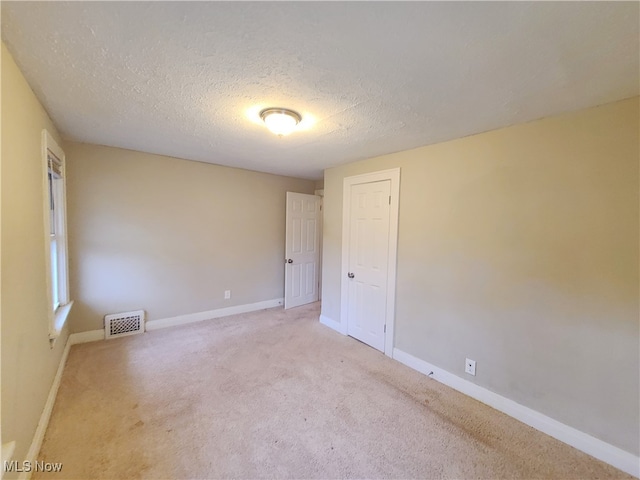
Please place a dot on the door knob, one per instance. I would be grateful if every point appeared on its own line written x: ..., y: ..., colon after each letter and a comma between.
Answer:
x: 289, y: 260
x: 350, y: 275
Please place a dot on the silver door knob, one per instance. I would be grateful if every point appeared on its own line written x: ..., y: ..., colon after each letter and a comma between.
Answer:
x: 350, y: 275
x: 289, y: 260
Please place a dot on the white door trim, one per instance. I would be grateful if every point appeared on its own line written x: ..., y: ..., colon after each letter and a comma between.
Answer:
x: 320, y: 193
x: 394, y: 176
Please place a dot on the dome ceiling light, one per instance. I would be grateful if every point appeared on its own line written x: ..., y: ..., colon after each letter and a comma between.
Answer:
x: 280, y: 121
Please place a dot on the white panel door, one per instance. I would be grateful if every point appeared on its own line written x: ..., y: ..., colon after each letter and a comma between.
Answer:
x: 368, y: 262
x: 301, y: 249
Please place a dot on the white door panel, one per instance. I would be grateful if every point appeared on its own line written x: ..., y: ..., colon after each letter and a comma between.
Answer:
x: 368, y: 262
x: 301, y: 249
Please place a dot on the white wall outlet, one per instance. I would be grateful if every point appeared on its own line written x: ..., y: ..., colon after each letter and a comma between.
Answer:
x: 227, y: 294
x: 470, y: 366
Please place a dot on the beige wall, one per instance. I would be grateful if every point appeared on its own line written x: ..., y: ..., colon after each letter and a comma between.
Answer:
x: 170, y: 236
x: 518, y: 248
x: 28, y: 362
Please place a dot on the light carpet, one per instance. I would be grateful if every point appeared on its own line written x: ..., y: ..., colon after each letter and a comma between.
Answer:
x: 275, y: 394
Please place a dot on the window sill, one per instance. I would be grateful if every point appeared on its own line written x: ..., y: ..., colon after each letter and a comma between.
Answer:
x: 60, y: 318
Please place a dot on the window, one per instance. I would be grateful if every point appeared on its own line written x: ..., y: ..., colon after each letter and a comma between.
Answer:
x: 56, y: 234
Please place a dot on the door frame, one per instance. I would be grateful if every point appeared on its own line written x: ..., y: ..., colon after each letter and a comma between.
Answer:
x: 320, y: 193
x: 394, y: 176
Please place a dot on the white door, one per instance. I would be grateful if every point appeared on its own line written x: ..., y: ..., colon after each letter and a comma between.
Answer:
x: 368, y: 261
x: 301, y: 249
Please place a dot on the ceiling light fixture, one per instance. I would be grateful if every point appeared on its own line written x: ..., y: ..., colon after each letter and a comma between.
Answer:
x: 280, y: 121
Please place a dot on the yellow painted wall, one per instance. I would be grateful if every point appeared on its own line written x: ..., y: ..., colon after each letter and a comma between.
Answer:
x: 518, y: 248
x: 29, y: 363
x: 169, y: 236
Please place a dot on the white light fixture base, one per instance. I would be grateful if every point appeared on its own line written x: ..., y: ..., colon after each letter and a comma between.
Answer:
x: 280, y: 121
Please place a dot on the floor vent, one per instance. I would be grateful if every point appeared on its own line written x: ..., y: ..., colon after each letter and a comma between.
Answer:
x: 122, y: 324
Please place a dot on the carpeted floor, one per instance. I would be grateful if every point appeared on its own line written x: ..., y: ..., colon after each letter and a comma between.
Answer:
x: 275, y: 394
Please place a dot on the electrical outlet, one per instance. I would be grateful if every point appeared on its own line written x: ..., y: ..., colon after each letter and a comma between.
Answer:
x: 470, y: 366
x: 227, y: 294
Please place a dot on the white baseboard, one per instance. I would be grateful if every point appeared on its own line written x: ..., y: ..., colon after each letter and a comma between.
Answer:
x: 36, y: 443
x: 332, y: 324
x: 599, y: 449
x: 220, y: 312
x: 43, y: 423
x: 86, y: 337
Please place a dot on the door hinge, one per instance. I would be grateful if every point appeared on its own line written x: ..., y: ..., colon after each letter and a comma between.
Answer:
x: 389, y: 199
x: 385, y: 328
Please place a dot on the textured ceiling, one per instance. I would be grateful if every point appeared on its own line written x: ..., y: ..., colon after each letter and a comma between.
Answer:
x: 187, y: 79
